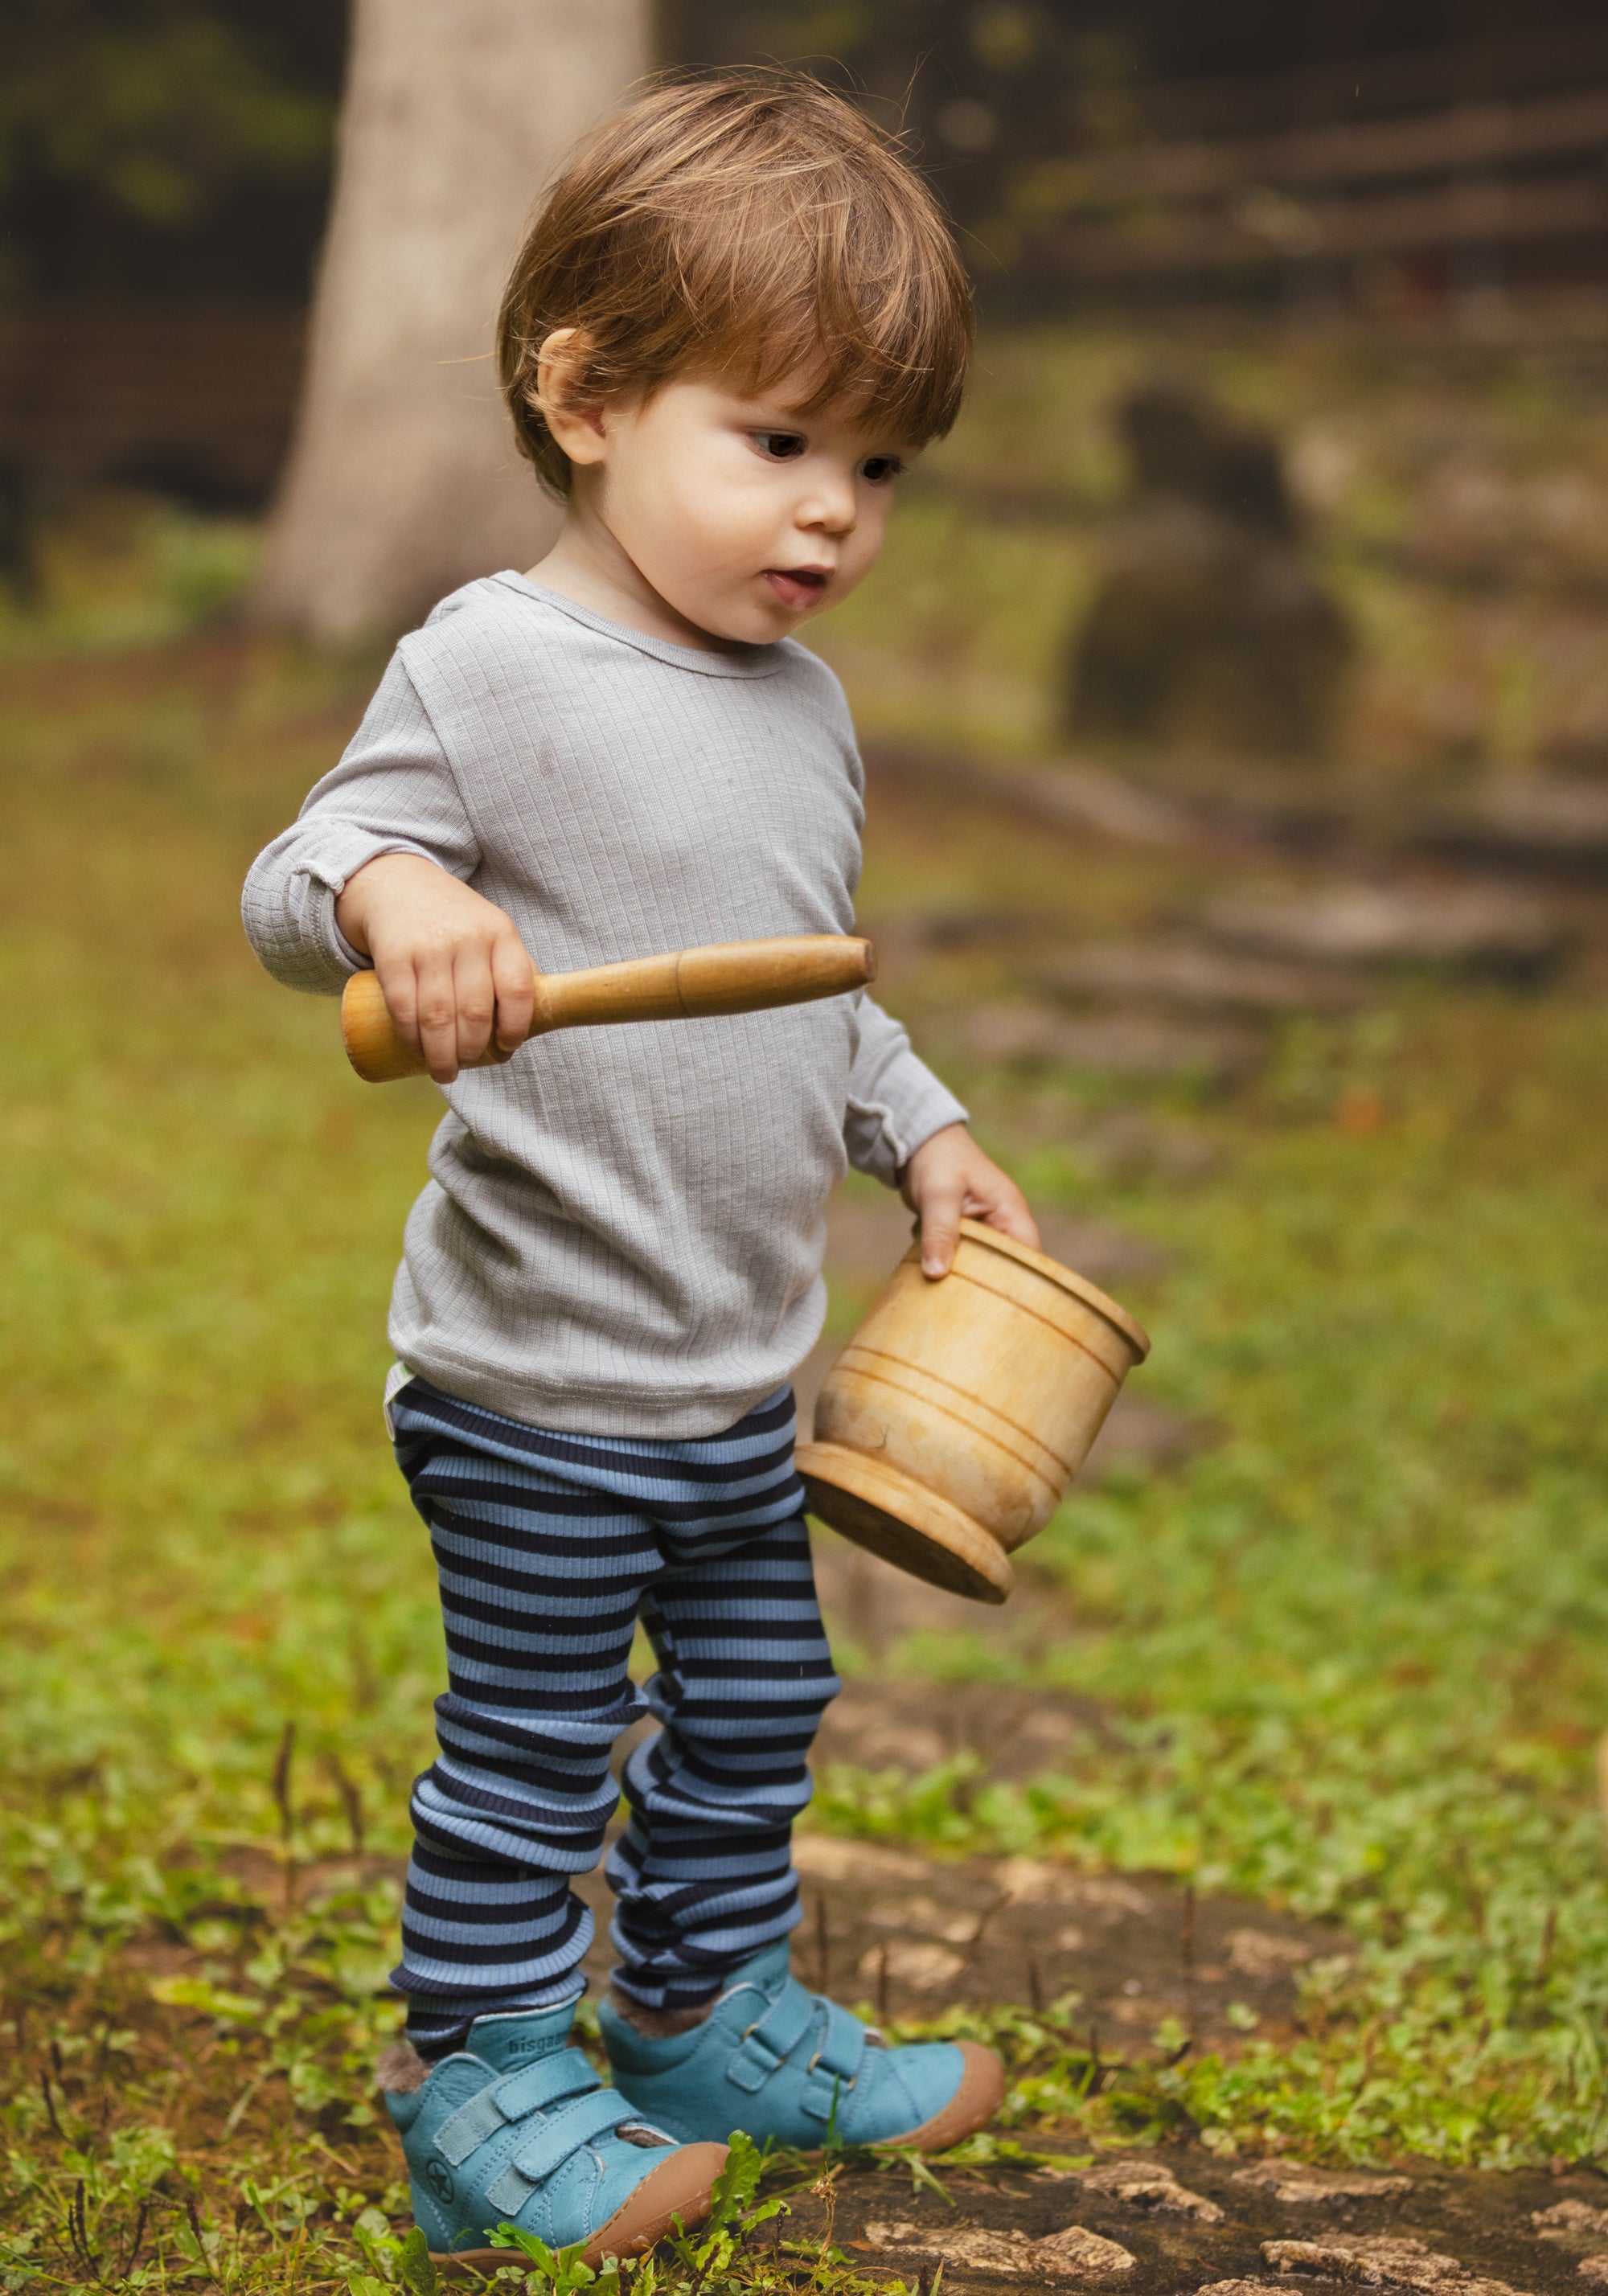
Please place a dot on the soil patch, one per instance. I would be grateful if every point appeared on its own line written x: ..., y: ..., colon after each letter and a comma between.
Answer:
x: 1185, y: 2218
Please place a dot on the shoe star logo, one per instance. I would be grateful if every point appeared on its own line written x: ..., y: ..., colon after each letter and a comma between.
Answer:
x: 438, y: 2175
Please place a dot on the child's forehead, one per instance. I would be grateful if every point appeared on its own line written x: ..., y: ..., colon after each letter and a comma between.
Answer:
x: 804, y: 393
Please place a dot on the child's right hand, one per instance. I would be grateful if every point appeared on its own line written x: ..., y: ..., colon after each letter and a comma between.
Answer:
x: 451, y: 966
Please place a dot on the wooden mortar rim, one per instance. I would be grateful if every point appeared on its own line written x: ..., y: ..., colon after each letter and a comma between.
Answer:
x: 1079, y: 1286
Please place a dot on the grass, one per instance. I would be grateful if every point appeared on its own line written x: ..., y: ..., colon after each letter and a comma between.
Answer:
x: 1354, y: 1654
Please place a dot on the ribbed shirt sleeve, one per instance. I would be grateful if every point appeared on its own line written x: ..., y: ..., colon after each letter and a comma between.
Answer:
x: 895, y: 1101
x: 393, y: 792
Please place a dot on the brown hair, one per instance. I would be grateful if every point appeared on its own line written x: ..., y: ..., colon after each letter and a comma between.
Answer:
x: 754, y: 224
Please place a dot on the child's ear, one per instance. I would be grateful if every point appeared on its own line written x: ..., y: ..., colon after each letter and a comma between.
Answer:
x: 577, y: 426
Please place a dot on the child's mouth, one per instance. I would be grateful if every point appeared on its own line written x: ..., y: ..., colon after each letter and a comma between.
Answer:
x: 797, y: 585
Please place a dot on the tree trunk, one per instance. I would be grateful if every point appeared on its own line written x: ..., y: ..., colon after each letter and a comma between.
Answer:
x: 403, y: 480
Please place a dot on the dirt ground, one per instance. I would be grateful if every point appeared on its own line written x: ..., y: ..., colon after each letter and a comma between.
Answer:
x: 1182, y: 2218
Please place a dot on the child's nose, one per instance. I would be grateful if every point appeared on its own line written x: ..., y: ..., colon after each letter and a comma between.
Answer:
x: 832, y: 506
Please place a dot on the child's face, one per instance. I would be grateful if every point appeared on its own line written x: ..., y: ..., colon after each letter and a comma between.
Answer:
x: 745, y: 516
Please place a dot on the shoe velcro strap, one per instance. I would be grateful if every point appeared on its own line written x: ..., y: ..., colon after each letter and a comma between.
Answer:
x: 835, y: 2065
x: 844, y: 2047
x: 772, y: 2039
x: 548, y: 2147
x: 464, y: 2131
x: 532, y: 2089
x: 547, y: 2082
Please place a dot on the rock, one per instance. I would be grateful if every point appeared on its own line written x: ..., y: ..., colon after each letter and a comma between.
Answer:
x: 1299, y: 2187
x: 1380, y: 2261
x: 1566, y: 2218
x: 1077, y: 2253
x: 1236, y: 2288
x: 1072, y: 2254
x: 1475, y: 928
x: 1130, y: 1045
x: 1207, y: 628
x: 1593, y: 2268
x: 1192, y: 976
x: 1147, y: 2184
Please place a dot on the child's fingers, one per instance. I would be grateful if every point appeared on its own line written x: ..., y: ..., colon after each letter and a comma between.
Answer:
x: 515, y: 987
x: 1006, y: 1207
x: 940, y: 1210
x: 437, y: 1008
x: 475, y: 999
x: 399, y: 986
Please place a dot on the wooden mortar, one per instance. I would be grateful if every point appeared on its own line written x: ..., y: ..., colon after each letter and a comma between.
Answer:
x: 947, y: 1430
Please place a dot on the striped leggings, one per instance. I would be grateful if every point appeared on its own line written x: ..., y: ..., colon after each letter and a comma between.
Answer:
x: 550, y: 1548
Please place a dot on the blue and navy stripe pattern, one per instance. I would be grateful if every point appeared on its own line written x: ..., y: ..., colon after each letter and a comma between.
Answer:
x: 549, y: 1548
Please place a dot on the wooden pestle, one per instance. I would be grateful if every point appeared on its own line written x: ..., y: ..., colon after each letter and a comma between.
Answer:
x: 687, y: 984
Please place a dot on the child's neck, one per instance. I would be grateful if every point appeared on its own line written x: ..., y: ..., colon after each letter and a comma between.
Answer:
x: 588, y: 565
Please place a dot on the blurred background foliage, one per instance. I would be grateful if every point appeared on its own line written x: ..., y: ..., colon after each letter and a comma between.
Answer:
x: 173, y: 148
x: 157, y: 147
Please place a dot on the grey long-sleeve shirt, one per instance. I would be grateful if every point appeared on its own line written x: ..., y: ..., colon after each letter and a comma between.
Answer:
x: 624, y: 1228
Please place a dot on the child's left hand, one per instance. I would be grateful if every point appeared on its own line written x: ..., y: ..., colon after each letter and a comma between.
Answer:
x: 949, y: 1180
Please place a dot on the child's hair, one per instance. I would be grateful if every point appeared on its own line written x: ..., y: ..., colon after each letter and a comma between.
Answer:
x: 751, y: 226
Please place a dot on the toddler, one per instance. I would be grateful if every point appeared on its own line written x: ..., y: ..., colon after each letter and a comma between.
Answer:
x: 733, y: 322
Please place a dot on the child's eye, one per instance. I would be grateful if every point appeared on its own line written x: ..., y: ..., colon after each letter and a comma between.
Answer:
x: 781, y: 445
x: 880, y: 469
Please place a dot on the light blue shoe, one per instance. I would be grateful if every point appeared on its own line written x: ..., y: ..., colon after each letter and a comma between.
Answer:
x: 517, y: 2128
x: 786, y: 2065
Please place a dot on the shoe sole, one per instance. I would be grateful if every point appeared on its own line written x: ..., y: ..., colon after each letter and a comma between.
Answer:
x: 974, y: 2103
x: 680, y: 2186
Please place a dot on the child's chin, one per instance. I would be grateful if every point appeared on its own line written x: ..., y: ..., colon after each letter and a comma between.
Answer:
x: 757, y: 624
